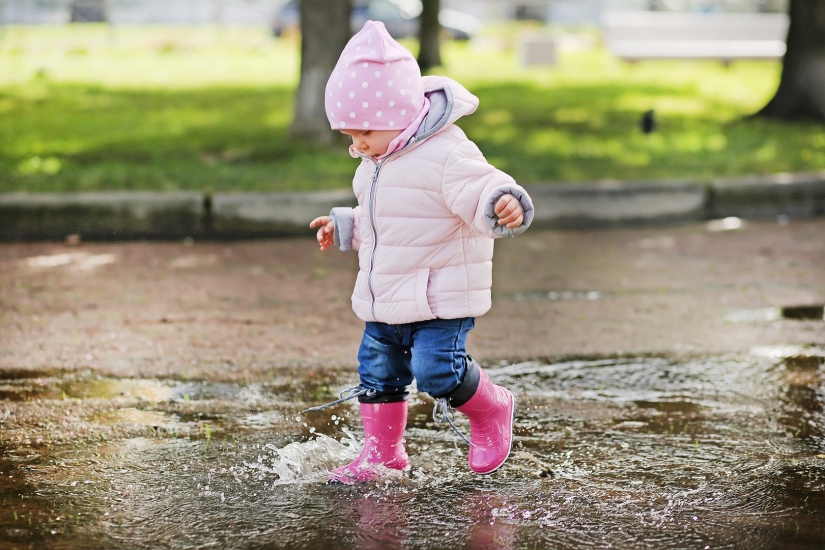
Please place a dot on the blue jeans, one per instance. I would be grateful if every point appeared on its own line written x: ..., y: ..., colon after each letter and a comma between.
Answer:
x: 433, y: 352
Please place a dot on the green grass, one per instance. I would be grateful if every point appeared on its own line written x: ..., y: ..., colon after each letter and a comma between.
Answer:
x: 159, y: 108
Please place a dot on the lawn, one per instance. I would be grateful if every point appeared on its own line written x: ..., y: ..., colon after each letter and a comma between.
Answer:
x: 86, y: 108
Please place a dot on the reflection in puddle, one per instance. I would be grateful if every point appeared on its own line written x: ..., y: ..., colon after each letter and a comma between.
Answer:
x: 559, y: 295
x: 262, y: 420
x: 730, y: 223
x: 188, y: 262
x: 76, y: 261
x: 129, y: 415
x: 681, y: 406
x: 724, y: 452
x: 754, y: 315
x: 152, y: 391
x: 767, y: 314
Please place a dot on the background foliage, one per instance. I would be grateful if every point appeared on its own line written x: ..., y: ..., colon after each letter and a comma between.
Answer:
x: 100, y: 108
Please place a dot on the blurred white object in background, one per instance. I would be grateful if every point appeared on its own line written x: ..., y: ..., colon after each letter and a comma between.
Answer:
x: 668, y: 35
x: 538, y: 50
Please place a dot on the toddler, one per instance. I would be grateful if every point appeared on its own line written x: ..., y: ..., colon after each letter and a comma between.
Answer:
x: 429, y: 207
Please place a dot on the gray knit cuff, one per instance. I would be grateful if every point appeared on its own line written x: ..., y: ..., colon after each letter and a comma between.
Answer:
x: 526, y: 205
x: 344, y: 219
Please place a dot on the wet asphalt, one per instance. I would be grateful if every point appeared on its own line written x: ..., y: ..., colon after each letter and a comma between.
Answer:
x: 138, y: 379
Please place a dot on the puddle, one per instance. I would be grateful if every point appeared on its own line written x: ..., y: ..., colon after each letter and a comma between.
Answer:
x: 48, y: 385
x: 189, y: 262
x: 130, y: 415
x: 730, y: 223
x: 754, y: 315
x: 766, y: 314
x: 647, y: 452
x: 75, y: 261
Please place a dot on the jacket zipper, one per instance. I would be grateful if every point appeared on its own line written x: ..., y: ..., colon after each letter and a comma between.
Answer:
x: 374, y: 233
x: 373, y: 188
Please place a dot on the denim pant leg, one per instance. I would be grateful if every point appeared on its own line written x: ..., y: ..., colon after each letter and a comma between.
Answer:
x: 439, y: 354
x: 384, y: 359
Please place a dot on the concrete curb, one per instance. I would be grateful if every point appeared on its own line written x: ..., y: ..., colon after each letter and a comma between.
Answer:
x: 144, y: 215
x: 243, y: 215
x: 101, y: 216
x: 616, y: 203
x: 793, y: 195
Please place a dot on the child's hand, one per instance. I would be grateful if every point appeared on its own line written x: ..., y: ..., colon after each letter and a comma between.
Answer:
x: 509, y: 211
x: 326, y: 235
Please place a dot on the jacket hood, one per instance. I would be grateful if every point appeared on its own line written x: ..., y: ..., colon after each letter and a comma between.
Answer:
x: 448, y: 101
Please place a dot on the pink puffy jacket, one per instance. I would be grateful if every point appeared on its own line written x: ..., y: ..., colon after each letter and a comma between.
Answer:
x: 424, y: 225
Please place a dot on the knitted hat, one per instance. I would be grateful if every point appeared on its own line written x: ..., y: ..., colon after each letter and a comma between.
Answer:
x: 375, y: 85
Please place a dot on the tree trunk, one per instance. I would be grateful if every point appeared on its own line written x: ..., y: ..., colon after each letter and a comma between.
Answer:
x: 429, y: 34
x: 801, y: 92
x: 324, y: 33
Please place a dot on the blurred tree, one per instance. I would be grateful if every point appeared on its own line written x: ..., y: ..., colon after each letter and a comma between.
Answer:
x: 86, y: 11
x: 429, y: 34
x: 324, y: 33
x: 801, y: 92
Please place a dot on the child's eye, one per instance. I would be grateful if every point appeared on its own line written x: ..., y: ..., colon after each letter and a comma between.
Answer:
x: 368, y: 132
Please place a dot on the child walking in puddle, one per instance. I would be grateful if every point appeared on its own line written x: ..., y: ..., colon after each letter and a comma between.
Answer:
x: 429, y: 207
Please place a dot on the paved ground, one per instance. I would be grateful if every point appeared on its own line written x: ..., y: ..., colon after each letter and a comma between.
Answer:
x: 241, y: 310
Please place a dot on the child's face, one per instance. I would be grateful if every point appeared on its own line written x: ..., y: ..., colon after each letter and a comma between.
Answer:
x: 371, y: 143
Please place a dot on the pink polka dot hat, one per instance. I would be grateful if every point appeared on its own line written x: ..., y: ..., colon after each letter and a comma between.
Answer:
x: 376, y: 84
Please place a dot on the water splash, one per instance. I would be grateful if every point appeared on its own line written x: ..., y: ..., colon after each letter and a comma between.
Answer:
x: 303, y: 462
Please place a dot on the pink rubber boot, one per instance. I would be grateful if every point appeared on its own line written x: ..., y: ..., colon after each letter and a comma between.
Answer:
x: 491, y: 410
x: 384, y: 425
